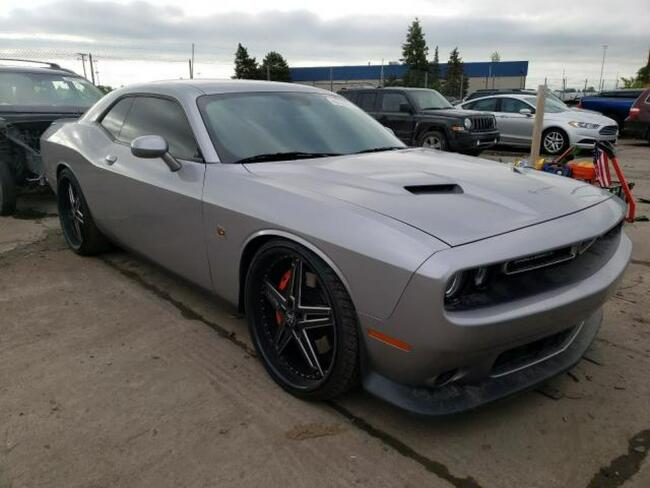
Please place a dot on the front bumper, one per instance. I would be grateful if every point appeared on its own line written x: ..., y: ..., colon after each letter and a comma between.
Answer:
x: 586, y: 138
x: 452, y: 398
x: 473, y: 141
x: 456, y: 353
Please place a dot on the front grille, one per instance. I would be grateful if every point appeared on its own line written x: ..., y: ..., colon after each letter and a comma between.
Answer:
x: 482, y: 124
x: 609, y: 130
x: 523, y: 356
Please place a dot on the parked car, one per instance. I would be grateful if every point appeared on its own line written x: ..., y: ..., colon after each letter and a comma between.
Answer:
x: 568, y: 95
x: 563, y: 126
x: 421, y: 117
x: 637, y: 123
x: 31, y: 98
x: 441, y: 281
x: 614, y: 104
x: 484, y: 92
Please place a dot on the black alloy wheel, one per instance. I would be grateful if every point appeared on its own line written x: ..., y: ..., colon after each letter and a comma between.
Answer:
x: 302, y: 321
x: 79, y: 229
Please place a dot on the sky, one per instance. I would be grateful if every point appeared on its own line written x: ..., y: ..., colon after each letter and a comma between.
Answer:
x: 135, y: 41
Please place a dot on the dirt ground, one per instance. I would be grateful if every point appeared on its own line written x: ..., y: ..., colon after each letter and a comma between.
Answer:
x: 114, y: 373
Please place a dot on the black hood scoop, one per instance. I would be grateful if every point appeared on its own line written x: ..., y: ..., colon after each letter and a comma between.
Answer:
x: 440, y: 189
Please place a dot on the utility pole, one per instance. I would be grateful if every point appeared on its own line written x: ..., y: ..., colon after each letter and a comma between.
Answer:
x: 83, y: 61
x: 381, y: 74
x: 268, y: 71
x: 426, y: 79
x: 92, y: 69
x: 602, y: 68
x: 97, y: 72
x: 462, y: 79
x: 331, y: 79
x: 192, y: 64
x: 189, y: 67
x: 538, y: 125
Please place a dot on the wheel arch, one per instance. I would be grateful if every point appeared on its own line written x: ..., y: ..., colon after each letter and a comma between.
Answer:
x: 60, y: 166
x: 258, y: 239
x: 425, y: 126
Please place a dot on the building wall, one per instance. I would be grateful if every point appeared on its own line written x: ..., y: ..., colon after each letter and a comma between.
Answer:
x: 474, y: 83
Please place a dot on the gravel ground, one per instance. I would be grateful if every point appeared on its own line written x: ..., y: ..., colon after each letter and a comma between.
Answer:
x: 114, y: 373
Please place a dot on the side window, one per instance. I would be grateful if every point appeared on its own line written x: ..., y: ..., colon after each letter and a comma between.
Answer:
x: 161, y: 117
x: 390, y: 102
x: 367, y: 101
x: 513, y: 106
x: 485, y: 105
x: 114, y: 118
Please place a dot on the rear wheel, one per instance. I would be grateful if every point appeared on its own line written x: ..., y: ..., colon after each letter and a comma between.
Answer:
x: 433, y: 139
x: 302, y: 321
x: 555, y: 141
x: 7, y: 181
x: 79, y: 229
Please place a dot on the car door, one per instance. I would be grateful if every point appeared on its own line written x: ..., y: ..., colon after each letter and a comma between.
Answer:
x: 516, y: 128
x: 389, y: 113
x: 147, y: 207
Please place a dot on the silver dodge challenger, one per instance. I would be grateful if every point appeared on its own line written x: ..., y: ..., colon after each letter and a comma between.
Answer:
x: 439, y: 282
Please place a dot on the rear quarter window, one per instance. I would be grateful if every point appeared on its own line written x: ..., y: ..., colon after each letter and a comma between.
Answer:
x: 114, y: 118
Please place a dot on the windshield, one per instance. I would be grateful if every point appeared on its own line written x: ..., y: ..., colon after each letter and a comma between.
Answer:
x: 47, y: 90
x: 429, y: 100
x: 551, y: 105
x: 247, y: 125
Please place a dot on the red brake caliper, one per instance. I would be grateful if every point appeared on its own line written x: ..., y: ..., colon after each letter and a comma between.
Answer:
x: 284, y: 281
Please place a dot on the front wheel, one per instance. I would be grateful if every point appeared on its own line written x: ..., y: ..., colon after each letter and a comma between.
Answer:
x: 555, y: 141
x: 79, y: 229
x: 433, y: 139
x: 302, y: 321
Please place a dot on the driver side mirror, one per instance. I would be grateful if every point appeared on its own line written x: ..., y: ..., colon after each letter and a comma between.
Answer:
x: 152, y: 147
x: 405, y: 107
x: 526, y: 111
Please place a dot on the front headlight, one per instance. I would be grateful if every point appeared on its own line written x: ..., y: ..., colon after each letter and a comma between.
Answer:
x: 468, y: 123
x: 583, y: 125
x: 455, y: 284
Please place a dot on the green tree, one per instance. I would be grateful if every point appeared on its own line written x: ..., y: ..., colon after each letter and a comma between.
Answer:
x: 414, y: 54
x: 274, y: 67
x: 456, y: 83
x: 641, y: 79
x: 245, y: 66
x: 434, y: 71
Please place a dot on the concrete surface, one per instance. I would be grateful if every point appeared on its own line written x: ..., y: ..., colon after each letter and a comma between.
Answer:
x: 114, y: 373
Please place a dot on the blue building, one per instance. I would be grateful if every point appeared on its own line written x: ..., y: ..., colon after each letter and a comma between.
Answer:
x: 502, y: 74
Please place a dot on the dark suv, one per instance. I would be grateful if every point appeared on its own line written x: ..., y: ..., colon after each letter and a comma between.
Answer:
x: 422, y: 117
x: 31, y: 98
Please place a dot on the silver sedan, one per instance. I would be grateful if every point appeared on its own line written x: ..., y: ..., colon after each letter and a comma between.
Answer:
x: 563, y: 126
x: 438, y: 281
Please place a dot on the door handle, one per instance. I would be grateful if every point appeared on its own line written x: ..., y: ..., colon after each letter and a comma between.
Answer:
x: 110, y: 159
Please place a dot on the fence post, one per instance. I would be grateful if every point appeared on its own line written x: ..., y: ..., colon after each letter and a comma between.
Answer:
x: 538, y: 125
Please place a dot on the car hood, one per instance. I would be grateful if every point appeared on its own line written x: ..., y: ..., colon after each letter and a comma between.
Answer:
x: 451, y: 112
x: 457, y: 199
x: 581, y: 116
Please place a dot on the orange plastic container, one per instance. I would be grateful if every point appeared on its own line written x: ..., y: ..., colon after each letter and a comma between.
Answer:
x: 583, y: 170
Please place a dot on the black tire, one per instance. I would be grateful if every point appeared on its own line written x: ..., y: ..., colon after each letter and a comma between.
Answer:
x: 434, y: 139
x: 554, y: 141
x: 80, y: 232
x: 315, y: 362
x: 7, y: 183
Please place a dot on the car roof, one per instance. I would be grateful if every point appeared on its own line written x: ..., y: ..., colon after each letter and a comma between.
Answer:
x: 215, y: 87
x: 5, y: 68
x: 519, y: 96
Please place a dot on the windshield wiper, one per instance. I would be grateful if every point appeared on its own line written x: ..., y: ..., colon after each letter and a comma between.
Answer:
x: 380, y: 149
x: 284, y: 156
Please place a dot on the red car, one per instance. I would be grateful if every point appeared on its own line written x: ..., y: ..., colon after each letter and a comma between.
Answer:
x: 638, y: 122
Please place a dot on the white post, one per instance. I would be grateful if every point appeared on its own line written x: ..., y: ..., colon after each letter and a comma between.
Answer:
x: 538, y: 125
